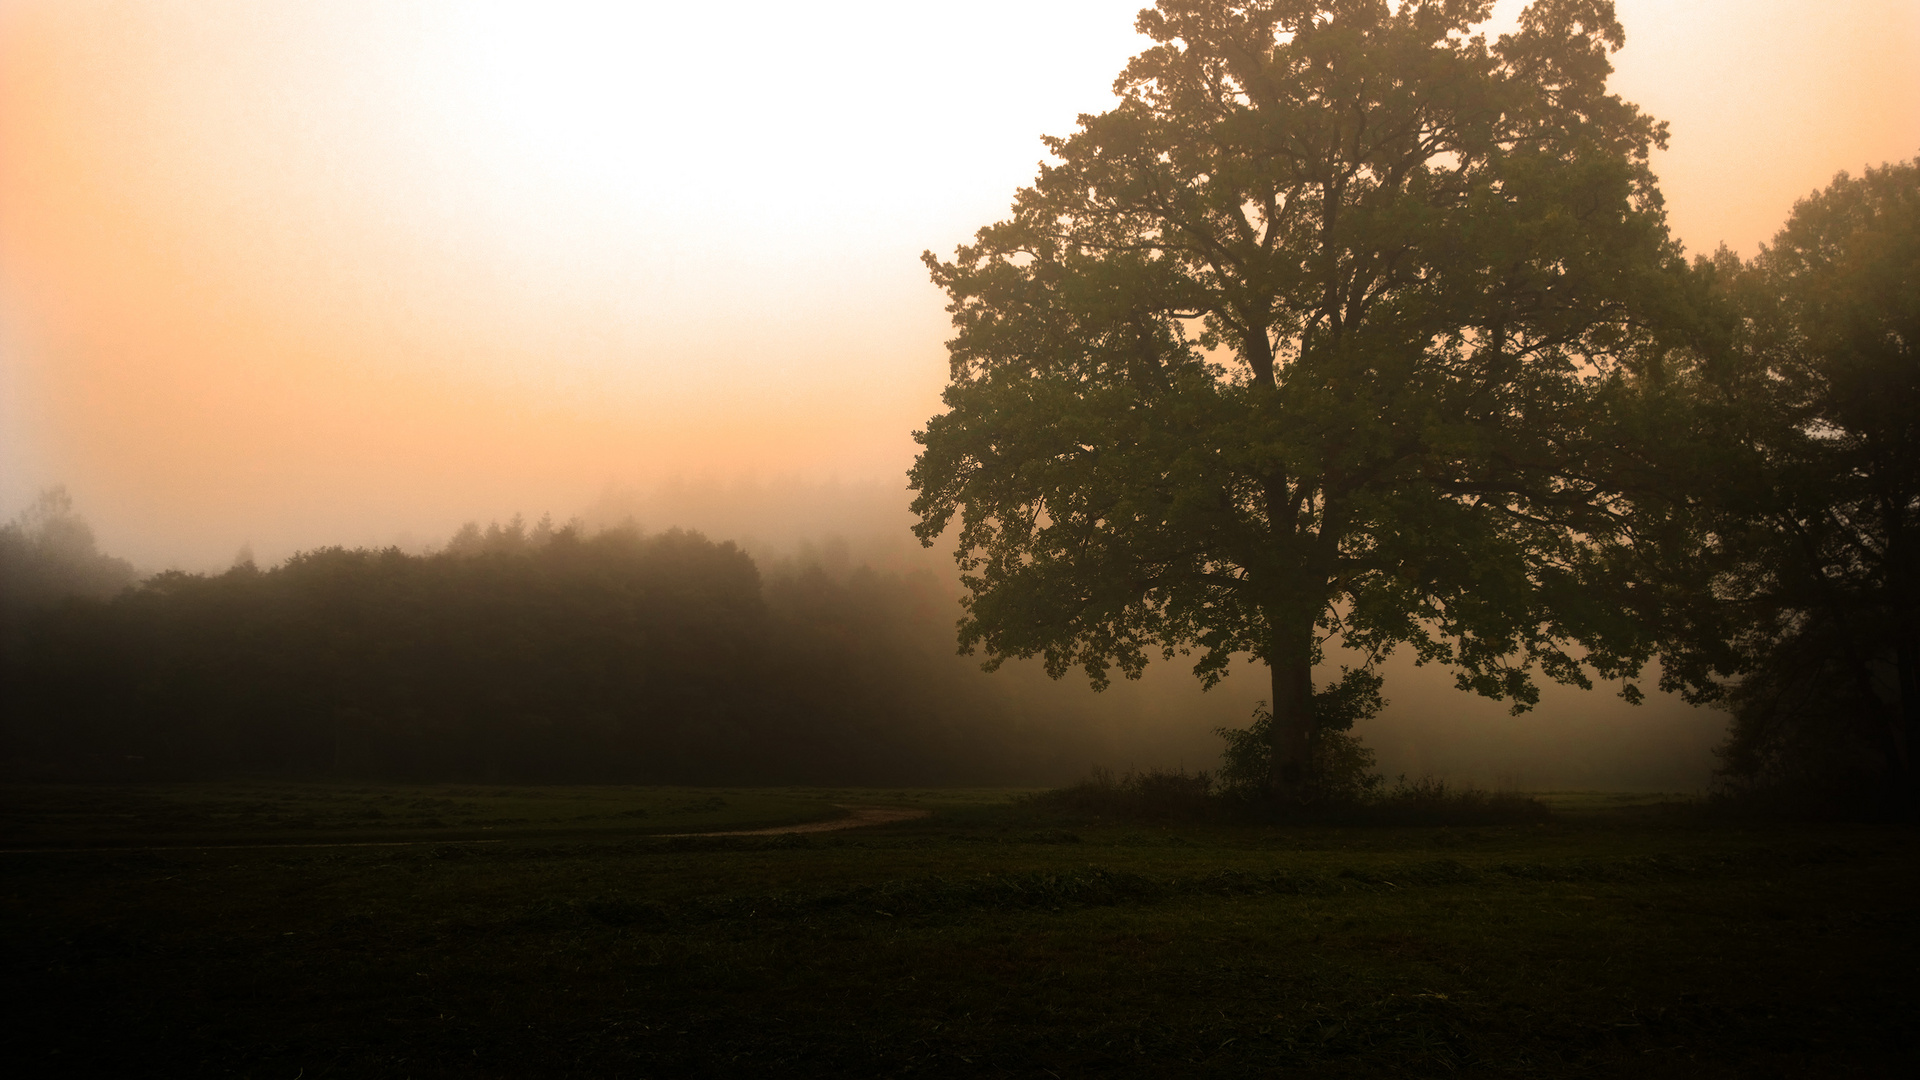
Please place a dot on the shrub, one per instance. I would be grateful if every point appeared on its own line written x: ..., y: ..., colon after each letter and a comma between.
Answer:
x: 1342, y: 765
x: 1432, y: 802
x: 1154, y: 795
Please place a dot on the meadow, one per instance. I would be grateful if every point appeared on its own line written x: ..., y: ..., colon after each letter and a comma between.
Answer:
x: 307, y: 930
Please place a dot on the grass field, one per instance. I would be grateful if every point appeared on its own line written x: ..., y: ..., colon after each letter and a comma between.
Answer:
x: 280, y: 930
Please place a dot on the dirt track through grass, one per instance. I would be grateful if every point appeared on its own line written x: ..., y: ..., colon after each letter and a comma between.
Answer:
x: 858, y: 817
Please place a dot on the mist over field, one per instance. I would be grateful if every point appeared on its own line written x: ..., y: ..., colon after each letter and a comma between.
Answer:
x: 1572, y: 740
x: 1219, y: 538
x: 275, y: 278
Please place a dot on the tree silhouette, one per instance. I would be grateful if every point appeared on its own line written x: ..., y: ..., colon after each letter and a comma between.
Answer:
x: 47, y: 553
x: 1805, y: 519
x: 515, y: 654
x: 1316, y: 332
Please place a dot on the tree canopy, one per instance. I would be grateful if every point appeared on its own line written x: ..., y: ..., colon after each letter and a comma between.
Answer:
x: 1316, y: 332
x: 515, y: 654
x: 47, y: 553
x: 1803, y: 539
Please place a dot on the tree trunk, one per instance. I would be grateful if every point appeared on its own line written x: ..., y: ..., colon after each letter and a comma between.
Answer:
x: 1290, y: 660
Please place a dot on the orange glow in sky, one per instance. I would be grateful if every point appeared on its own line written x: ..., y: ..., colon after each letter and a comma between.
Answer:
x: 294, y: 274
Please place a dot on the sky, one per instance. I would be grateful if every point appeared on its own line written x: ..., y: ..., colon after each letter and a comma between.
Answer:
x: 290, y: 274
x: 286, y: 274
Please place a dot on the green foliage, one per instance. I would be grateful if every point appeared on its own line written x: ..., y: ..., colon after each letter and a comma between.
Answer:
x: 1803, y: 523
x: 1319, y: 331
x: 1807, y: 737
x: 1343, y: 766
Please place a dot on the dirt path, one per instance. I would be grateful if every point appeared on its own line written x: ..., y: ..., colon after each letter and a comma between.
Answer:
x: 857, y: 816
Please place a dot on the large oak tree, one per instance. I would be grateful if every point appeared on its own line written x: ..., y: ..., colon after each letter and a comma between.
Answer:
x: 1314, y: 333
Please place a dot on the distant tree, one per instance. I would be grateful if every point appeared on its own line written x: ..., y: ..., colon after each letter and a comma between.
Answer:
x: 48, y: 552
x: 1806, y: 517
x: 1314, y: 333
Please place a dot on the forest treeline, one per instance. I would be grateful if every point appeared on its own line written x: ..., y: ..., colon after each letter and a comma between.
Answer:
x: 513, y: 655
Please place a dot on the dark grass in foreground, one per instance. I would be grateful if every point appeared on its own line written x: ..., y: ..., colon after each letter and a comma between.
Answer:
x: 993, y: 938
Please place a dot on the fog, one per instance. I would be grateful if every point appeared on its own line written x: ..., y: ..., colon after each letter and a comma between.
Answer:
x: 1573, y: 740
x: 276, y: 277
